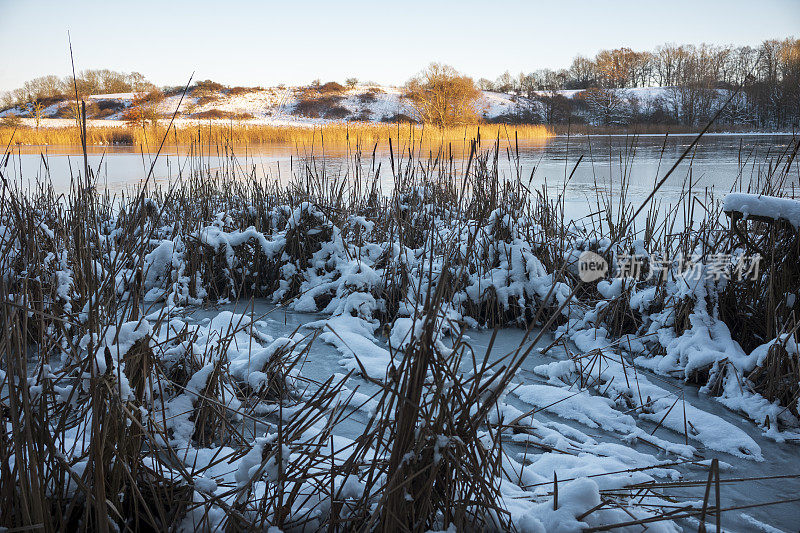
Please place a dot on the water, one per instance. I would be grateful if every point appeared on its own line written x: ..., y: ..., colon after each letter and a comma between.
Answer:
x: 718, y: 162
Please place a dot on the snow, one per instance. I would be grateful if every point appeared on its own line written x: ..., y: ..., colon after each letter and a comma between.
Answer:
x: 353, y: 337
x: 764, y: 206
x: 601, y: 413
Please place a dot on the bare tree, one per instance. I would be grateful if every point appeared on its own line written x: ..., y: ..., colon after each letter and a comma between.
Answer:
x: 607, y: 106
x: 485, y: 84
x: 505, y: 82
x: 582, y: 73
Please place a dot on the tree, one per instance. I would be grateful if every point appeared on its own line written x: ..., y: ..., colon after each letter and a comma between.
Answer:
x: 144, y: 108
x: 441, y: 96
x: 486, y: 84
x: 38, y: 113
x: 582, y: 73
x: 527, y: 85
x: 351, y: 82
x: 504, y: 83
x: 138, y: 83
x: 616, y: 68
x: 607, y: 106
x: 554, y: 108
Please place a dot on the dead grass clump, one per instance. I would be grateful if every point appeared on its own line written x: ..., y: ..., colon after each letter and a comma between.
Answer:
x: 683, y: 309
x: 209, y: 410
x: 254, y: 274
x: 305, y: 236
x: 219, y: 114
x: 755, y: 306
x: 778, y: 377
x: 237, y: 91
x: 207, y: 269
x: 275, y: 382
x: 159, y: 502
x: 491, y: 311
x: 439, y: 473
x: 620, y: 318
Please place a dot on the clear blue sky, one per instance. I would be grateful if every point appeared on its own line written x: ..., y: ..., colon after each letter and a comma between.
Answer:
x: 264, y: 43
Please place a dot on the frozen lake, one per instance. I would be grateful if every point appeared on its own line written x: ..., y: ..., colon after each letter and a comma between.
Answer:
x: 718, y: 162
x: 588, y: 439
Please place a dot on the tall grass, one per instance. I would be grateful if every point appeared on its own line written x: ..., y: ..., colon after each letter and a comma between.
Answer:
x: 240, y: 133
x: 90, y: 443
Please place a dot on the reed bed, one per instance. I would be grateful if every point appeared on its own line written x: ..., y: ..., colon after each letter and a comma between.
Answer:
x: 241, y: 133
x: 121, y: 415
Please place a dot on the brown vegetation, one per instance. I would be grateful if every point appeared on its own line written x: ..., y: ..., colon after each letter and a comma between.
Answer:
x: 244, y: 134
x: 218, y: 114
x: 443, y: 97
x: 143, y: 108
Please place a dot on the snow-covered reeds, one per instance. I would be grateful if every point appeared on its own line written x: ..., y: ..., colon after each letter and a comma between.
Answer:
x: 121, y: 413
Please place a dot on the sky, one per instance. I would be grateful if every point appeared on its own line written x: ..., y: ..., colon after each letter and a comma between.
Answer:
x: 293, y: 42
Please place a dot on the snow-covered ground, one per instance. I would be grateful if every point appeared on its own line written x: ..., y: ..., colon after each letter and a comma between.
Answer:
x: 278, y: 105
x: 270, y: 106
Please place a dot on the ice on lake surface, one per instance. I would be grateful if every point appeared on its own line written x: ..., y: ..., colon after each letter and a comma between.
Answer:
x: 592, y: 436
x: 717, y: 162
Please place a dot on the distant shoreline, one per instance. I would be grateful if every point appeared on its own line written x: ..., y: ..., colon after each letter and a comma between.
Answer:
x: 62, y: 132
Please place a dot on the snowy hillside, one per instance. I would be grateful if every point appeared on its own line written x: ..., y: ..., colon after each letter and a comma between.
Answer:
x: 333, y: 103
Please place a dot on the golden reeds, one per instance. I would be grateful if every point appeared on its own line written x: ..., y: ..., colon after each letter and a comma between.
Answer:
x: 242, y: 133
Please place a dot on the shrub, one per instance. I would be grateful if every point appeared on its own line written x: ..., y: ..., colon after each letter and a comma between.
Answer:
x: 367, y: 97
x: 208, y: 86
x: 331, y: 87
x: 337, y: 112
x: 207, y: 91
x: 314, y: 107
x: 65, y: 111
x: 399, y: 117
x: 144, y: 108
x: 10, y: 121
x: 106, y: 108
x: 365, y: 115
x: 233, y: 91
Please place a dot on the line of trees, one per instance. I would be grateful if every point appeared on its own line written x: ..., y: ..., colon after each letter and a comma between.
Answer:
x: 696, y: 80
x: 51, y: 88
x: 696, y: 75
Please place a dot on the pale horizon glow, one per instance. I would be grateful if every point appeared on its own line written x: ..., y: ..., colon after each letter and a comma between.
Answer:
x: 261, y: 43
